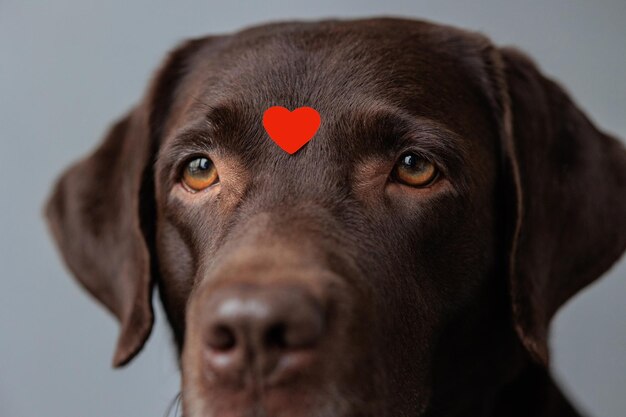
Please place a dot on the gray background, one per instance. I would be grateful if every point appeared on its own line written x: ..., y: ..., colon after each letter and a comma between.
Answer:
x: 69, y: 67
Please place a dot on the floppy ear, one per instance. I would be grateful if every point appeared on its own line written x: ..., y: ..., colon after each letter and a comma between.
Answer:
x: 569, y: 198
x: 101, y: 211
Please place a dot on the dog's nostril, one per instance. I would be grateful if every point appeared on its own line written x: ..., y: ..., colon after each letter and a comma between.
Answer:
x: 302, y: 330
x: 221, y: 338
x: 275, y: 336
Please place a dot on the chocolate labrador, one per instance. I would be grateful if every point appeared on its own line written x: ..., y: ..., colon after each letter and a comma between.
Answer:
x: 406, y: 261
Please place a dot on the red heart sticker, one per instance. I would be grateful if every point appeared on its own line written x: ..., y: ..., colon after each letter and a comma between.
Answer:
x: 291, y: 130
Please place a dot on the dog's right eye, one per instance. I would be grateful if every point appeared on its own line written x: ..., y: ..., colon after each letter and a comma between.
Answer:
x: 199, y: 173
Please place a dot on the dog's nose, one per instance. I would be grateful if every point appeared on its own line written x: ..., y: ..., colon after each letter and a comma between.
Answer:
x: 266, y: 332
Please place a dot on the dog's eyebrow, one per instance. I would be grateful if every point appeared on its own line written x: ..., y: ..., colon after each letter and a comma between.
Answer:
x: 389, y: 128
x: 200, y: 135
x: 384, y: 128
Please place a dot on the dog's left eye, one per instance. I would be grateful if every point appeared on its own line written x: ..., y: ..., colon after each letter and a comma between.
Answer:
x: 199, y: 173
x: 414, y: 171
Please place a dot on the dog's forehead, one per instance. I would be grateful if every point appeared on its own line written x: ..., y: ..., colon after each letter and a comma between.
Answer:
x: 328, y: 63
x: 347, y: 71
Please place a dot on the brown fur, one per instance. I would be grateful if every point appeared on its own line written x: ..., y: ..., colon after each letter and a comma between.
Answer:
x: 438, y: 299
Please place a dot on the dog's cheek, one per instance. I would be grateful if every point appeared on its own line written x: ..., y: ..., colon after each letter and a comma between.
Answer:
x: 176, y: 267
x: 428, y: 263
x: 404, y: 311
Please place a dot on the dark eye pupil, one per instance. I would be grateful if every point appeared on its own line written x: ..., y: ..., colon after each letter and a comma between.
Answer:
x: 200, y: 164
x: 409, y: 160
x: 412, y: 162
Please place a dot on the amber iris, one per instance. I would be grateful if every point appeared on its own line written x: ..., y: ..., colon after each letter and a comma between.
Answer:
x: 414, y: 171
x: 200, y: 173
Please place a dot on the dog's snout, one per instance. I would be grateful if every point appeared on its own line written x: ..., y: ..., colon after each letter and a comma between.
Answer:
x: 268, y: 332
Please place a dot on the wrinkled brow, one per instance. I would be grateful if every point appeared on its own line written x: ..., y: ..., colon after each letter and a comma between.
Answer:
x: 381, y: 129
x: 201, y: 134
x: 387, y: 130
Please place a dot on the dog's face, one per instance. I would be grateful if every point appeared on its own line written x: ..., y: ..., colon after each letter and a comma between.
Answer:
x: 382, y: 268
x: 351, y: 237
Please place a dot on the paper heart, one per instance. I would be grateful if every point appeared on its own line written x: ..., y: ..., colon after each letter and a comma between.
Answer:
x: 291, y: 130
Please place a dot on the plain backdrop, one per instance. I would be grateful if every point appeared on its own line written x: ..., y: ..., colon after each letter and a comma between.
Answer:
x: 68, y: 68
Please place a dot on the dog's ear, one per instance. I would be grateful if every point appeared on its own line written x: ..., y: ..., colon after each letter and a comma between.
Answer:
x: 101, y: 211
x: 568, y: 197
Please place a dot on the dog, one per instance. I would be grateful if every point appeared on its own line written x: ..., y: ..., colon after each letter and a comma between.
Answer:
x: 406, y: 261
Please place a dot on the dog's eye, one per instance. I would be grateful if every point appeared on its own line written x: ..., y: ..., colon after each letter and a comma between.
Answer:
x: 199, y: 174
x: 414, y: 171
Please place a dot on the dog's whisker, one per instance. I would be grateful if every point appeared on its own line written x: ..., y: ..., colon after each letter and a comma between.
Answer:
x: 175, y: 406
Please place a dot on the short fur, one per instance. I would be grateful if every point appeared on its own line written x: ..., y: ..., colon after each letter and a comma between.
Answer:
x: 438, y: 299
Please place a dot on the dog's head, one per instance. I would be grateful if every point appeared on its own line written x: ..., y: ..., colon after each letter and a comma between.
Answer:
x: 451, y: 201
